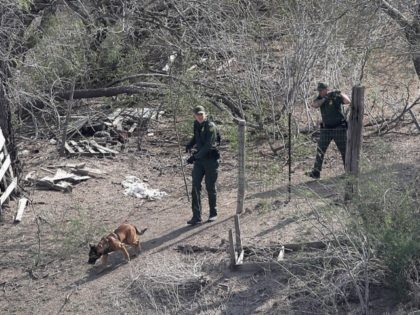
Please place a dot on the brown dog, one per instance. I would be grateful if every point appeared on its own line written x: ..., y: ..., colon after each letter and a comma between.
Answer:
x: 125, y: 234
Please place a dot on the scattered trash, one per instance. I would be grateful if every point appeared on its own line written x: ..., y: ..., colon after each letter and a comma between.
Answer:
x: 136, y: 188
x: 21, y: 208
x: 63, y: 180
x: 112, y: 130
x: 48, y: 184
x: 24, y: 152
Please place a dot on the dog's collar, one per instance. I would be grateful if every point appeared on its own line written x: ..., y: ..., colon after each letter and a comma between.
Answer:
x: 115, y: 235
x: 106, y: 242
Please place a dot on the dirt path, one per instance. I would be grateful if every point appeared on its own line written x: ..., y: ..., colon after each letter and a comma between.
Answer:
x: 43, y: 264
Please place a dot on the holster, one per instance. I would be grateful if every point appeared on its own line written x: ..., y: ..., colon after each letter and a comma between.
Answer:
x: 341, y: 124
x: 214, y: 153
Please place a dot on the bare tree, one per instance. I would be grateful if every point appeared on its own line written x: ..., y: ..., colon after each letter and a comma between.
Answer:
x: 15, y: 18
x: 410, y: 28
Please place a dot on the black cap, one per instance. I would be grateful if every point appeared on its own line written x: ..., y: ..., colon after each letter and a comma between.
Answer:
x: 322, y: 86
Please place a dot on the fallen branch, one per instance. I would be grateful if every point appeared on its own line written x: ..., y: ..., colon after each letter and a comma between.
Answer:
x: 139, y: 88
x: 192, y: 249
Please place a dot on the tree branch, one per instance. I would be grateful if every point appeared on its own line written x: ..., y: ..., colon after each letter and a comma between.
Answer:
x: 395, y: 14
x: 111, y: 91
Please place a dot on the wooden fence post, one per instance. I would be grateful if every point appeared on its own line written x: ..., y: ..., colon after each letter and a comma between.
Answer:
x: 62, y: 149
x: 232, y: 251
x: 354, y: 141
x: 289, y: 185
x: 241, y: 166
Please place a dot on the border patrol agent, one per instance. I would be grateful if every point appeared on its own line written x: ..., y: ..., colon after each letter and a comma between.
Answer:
x: 206, y: 163
x: 333, y: 126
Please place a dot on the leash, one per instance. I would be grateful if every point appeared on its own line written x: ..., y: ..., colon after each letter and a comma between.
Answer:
x: 176, y: 130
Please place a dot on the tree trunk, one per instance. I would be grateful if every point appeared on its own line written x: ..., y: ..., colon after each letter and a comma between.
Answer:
x: 413, y: 39
x: 411, y: 30
x: 6, y: 122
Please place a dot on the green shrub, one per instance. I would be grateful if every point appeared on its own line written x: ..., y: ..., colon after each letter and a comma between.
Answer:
x: 389, y: 214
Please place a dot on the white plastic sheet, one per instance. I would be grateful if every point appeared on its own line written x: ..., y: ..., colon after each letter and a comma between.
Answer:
x: 136, y: 188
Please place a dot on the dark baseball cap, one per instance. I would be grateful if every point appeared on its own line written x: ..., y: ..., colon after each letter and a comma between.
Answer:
x: 321, y: 86
x: 199, y: 110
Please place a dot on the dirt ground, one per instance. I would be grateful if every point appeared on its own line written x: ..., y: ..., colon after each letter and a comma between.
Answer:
x: 43, y: 262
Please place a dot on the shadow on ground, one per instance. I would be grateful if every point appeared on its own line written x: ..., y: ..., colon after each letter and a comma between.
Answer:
x: 171, y: 237
x: 334, y: 187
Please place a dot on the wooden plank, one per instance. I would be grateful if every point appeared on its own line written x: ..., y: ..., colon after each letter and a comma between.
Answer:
x: 1, y: 157
x: 8, y: 191
x: 69, y: 148
x: 5, y: 166
x: 133, y: 127
x: 2, y: 139
x: 12, y: 175
x: 96, y: 145
x: 89, y: 148
x: 21, y: 209
x: 83, y: 145
x: 78, y: 148
x: 232, y: 249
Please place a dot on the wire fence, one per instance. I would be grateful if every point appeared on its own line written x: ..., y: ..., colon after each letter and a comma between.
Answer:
x: 275, y: 175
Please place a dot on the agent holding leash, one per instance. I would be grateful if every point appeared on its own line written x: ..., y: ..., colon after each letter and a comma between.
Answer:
x: 333, y: 126
x: 206, y: 162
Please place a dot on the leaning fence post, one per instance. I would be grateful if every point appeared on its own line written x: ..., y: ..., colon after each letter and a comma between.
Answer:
x: 241, y: 166
x: 354, y: 141
x: 289, y: 184
x: 62, y: 149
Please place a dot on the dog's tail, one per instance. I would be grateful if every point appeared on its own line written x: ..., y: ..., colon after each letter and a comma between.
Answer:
x: 140, y: 232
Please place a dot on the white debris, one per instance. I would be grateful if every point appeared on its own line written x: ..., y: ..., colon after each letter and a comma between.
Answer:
x: 166, y: 68
x: 135, y: 187
x: 24, y: 152
x: 53, y: 141
x: 172, y: 58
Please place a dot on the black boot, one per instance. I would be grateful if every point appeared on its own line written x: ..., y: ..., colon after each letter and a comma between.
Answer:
x: 194, y: 221
x: 313, y: 174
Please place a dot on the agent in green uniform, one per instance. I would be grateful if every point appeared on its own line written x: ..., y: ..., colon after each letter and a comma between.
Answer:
x: 206, y: 163
x: 333, y: 126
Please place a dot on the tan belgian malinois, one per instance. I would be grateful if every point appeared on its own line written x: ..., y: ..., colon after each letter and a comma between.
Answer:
x: 125, y: 234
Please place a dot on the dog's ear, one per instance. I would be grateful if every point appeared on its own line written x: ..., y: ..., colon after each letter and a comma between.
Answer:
x: 91, y: 245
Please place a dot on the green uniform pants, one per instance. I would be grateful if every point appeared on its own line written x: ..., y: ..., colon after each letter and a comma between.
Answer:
x: 207, y: 168
x: 339, y: 135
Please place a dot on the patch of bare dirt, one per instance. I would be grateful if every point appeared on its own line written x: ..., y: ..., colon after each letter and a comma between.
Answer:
x: 43, y: 262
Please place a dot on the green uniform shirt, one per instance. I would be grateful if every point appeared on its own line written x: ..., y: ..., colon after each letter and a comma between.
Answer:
x: 204, y: 138
x: 332, y: 110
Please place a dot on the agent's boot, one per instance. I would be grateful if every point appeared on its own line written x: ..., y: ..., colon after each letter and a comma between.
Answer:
x: 313, y: 174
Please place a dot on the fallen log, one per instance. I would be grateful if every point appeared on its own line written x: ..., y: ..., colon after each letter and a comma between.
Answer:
x: 275, y: 250
x: 191, y: 249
